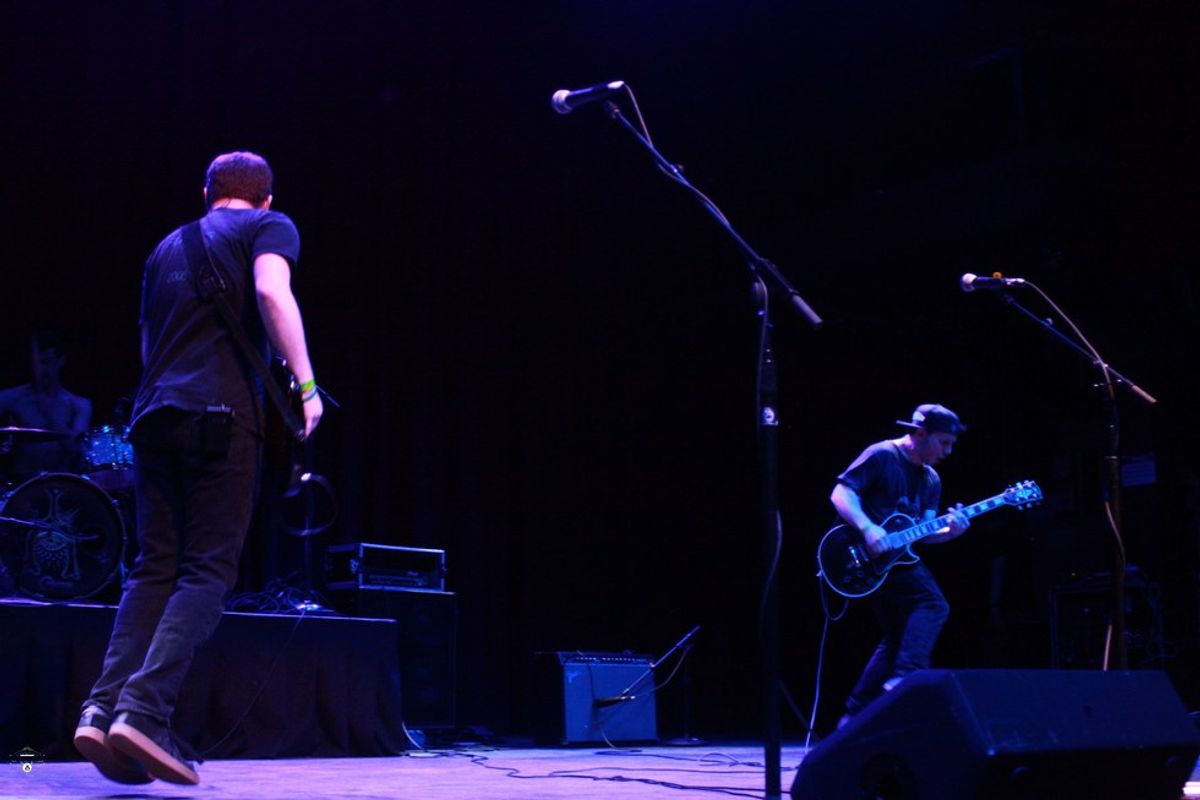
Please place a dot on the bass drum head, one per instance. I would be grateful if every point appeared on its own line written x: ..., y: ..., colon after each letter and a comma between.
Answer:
x: 67, y: 538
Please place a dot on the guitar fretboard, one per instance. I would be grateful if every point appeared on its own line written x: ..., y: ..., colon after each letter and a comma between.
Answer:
x: 930, y: 527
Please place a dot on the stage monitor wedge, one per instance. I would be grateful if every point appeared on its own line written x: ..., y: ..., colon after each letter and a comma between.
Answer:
x: 1011, y: 734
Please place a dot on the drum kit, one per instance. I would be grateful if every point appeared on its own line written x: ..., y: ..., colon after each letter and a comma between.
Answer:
x: 63, y: 534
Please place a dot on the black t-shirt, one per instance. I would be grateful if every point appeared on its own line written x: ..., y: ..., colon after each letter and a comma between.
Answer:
x: 887, y: 483
x: 192, y: 362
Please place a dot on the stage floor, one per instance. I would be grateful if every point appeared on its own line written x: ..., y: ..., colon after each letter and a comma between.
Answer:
x: 477, y: 773
x: 480, y: 773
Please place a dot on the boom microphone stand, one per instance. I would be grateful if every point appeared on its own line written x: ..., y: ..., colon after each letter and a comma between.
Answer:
x: 627, y: 693
x: 767, y: 425
x: 1115, y: 655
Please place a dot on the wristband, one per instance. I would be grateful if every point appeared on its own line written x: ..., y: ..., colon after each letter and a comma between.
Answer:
x: 315, y: 391
x: 308, y: 385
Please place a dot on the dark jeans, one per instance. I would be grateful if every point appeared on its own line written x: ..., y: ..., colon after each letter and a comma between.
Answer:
x: 196, y: 485
x: 911, y: 610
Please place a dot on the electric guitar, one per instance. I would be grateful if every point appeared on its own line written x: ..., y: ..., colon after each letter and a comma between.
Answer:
x: 851, y: 571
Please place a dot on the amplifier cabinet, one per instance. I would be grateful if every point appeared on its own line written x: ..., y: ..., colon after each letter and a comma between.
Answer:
x: 584, y: 697
x: 426, y: 627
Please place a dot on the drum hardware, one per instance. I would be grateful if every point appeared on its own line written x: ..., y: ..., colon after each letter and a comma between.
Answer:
x: 108, y: 457
x: 32, y: 434
x: 310, y: 509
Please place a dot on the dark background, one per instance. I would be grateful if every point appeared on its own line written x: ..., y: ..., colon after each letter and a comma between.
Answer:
x: 544, y: 350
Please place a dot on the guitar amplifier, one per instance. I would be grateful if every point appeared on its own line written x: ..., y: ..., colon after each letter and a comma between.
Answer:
x: 362, y: 565
x: 585, y: 697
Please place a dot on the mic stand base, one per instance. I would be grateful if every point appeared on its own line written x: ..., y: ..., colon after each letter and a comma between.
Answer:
x: 688, y: 741
x: 310, y: 606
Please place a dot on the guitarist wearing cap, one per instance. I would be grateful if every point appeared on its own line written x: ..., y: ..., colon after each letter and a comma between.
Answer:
x: 197, y: 436
x: 897, y: 476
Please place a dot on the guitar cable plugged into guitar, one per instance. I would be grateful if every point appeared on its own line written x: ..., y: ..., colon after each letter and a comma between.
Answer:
x: 829, y: 617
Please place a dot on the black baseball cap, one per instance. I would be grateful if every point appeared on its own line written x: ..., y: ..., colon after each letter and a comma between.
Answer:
x: 934, y: 418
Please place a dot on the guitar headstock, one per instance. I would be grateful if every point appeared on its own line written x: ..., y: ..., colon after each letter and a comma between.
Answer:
x: 1025, y: 494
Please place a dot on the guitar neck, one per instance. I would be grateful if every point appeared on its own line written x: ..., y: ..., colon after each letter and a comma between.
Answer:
x: 929, y: 528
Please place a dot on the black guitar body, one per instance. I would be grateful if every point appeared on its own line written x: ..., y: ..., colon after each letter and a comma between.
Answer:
x: 848, y: 568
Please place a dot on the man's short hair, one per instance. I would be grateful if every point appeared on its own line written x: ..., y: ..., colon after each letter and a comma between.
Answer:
x: 238, y: 176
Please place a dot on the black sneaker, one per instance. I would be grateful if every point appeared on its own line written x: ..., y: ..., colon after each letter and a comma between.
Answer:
x: 150, y: 743
x: 91, y: 740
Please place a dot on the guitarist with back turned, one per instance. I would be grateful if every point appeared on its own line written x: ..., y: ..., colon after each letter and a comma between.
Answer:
x: 890, y: 477
x: 196, y: 435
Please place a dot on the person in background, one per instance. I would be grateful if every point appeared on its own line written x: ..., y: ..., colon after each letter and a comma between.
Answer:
x: 43, y: 404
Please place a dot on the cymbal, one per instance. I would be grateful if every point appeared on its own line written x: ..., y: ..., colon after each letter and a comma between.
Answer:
x: 32, y: 434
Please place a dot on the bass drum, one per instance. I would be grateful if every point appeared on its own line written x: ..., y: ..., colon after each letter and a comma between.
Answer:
x: 61, y: 537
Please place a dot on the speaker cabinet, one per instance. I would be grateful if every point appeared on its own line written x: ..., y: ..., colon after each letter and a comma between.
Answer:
x: 1012, y: 734
x: 1080, y: 612
x: 426, y: 627
x: 582, y: 698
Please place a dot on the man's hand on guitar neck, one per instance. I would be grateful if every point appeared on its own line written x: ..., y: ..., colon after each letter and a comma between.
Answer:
x: 959, y: 522
x: 875, y: 539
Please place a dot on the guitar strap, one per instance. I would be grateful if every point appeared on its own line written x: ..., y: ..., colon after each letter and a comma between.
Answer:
x: 213, y: 289
x: 922, y: 488
x: 915, y: 506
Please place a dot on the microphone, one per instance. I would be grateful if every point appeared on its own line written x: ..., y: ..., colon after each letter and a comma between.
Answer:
x: 564, y: 101
x: 970, y: 282
x: 601, y: 702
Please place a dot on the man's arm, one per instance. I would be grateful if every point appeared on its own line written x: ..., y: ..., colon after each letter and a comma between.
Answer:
x: 849, y: 508
x: 281, y: 318
x: 81, y: 419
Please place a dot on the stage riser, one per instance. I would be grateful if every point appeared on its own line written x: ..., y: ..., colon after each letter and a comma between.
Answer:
x: 329, y: 686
